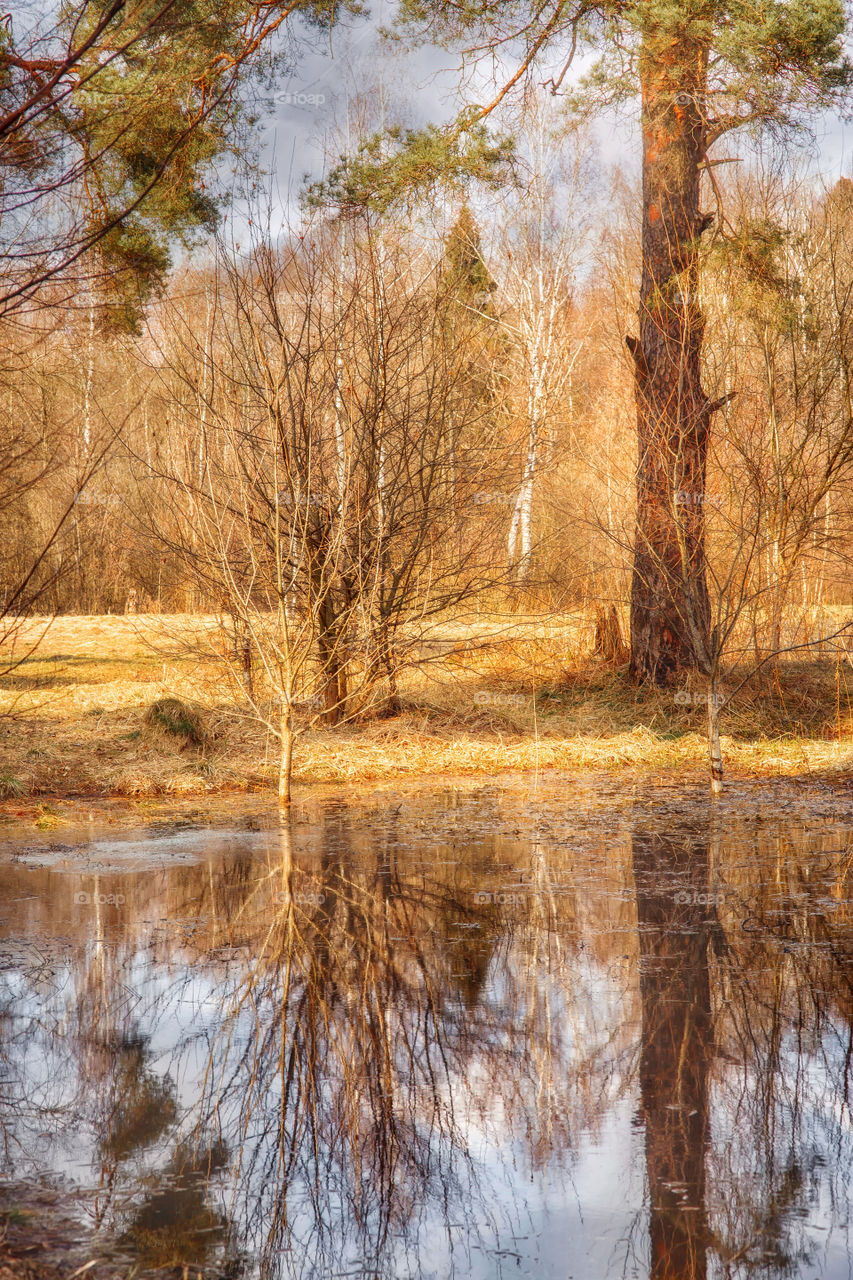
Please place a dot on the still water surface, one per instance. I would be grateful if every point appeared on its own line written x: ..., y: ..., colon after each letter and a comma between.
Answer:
x: 495, y: 1032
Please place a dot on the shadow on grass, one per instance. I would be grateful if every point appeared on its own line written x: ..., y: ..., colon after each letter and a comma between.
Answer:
x: 22, y: 680
x: 808, y: 698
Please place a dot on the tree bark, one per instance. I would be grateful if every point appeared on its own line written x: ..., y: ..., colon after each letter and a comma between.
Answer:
x: 669, y: 592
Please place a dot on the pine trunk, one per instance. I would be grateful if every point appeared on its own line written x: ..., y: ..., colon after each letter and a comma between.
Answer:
x: 670, y: 614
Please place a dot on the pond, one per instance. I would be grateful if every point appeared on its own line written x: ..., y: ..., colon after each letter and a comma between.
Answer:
x: 537, y: 1029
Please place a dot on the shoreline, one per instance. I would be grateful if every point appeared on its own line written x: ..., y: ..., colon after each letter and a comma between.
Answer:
x: 81, y: 816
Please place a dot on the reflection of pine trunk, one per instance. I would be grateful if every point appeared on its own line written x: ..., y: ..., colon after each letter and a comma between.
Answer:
x: 676, y: 1047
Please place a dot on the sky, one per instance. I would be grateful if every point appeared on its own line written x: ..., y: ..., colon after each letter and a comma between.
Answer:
x: 310, y: 106
x: 331, y: 75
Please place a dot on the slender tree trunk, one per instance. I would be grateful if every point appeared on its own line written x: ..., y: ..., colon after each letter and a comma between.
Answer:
x: 781, y: 582
x: 519, y: 542
x: 715, y: 754
x: 673, y: 412
x: 285, y: 773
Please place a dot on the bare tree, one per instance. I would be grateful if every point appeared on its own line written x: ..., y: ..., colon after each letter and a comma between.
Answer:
x: 322, y: 449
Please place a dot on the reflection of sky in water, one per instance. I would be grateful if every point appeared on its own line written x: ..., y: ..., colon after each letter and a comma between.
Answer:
x: 521, y: 1140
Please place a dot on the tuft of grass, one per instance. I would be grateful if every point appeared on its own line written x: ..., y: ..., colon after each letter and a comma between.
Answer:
x: 177, y: 719
x: 10, y: 786
x: 48, y: 819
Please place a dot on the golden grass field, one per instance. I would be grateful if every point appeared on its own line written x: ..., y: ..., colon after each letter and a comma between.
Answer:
x: 525, y: 695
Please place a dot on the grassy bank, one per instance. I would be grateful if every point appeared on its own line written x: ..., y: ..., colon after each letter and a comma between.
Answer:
x: 76, y: 718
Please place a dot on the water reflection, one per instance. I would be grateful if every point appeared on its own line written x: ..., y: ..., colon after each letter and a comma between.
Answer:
x: 675, y: 929
x: 467, y: 1039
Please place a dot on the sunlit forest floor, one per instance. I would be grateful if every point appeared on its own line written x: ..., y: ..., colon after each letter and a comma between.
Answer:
x: 522, y: 694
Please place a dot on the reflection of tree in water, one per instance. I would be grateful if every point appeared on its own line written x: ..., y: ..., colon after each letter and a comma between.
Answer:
x: 785, y: 1028
x: 359, y: 1027
x: 744, y: 1060
x: 344, y: 1076
x: 676, y: 1047
x: 140, y: 1104
x: 392, y: 1028
x: 175, y: 1226
x: 102, y: 1092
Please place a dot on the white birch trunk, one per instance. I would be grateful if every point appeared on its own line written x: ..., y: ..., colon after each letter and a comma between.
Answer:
x: 520, y: 541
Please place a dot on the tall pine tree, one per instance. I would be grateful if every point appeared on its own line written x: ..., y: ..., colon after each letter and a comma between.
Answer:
x: 702, y: 69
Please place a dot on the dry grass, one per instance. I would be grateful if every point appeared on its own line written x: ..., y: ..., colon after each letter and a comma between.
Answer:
x: 76, y: 718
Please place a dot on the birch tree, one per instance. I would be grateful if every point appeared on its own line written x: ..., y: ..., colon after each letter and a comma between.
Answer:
x: 540, y: 240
